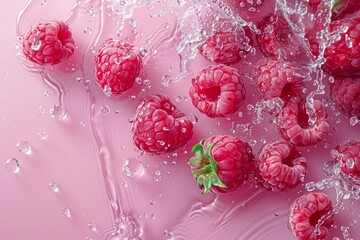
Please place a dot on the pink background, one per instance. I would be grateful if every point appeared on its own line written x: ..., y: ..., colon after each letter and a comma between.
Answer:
x: 85, y: 152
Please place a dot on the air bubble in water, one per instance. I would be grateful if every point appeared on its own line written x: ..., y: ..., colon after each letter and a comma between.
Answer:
x: 66, y: 211
x: 23, y: 147
x: 53, y: 187
x: 92, y: 226
x: 107, y: 90
x: 104, y: 109
x: 193, y: 118
x: 132, y: 167
x: 350, y: 163
x: 12, y: 165
x: 43, y: 3
x: 310, y: 186
x: 166, y: 80
x: 353, y: 121
x: 42, y: 135
x: 58, y: 112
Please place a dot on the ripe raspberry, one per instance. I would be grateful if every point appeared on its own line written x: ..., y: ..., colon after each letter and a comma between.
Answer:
x: 226, y: 47
x: 343, y: 8
x: 48, y: 42
x: 117, y: 65
x: 348, y: 156
x: 280, y: 166
x: 159, y: 126
x: 346, y: 93
x: 274, y: 78
x: 343, y: 56
x: 305, y: 213
x: 221, y: 163
x: 294, y: 126
x: 217, y: 91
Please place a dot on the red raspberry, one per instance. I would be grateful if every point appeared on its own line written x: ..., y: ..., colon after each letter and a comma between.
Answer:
x: 344, y: 7
x: 226, y: 47
x: 294, y: 126
x: 305, y: 213
x: 159, y: 126
x: 346, y: 93
x: 221, y: 163
x: 281, y: 167
x: 349, y: 159
x: 48, y: 42
x: 117, y: 65
x: 275, y: 78
x: 217, y: 91
x: 343, y: 56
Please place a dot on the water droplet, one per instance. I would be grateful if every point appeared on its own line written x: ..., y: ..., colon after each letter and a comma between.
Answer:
x: 114, y: 205
x: 310, y: 186
x: 66, y: 211
x: 107, y: 90
x: 320, y: 185
x: 46, y: 94
x: 353, y: 121
x: 252, y: 142
x: 36, y: 44
x: 166, y: 80
x: 43, y: 135
x: 350, y: 163
x: 138, y: 80
x: 104, y: 109
x: 92, y: 226
x: 53, y: 187
x: 193, y: 119
x: 87, y: 30
x: 58, y: 112
x: 23, y: 147
x: 132, y: 167
x: 41, y: 109
x: 143, y: 52
x: 12, y: 165
x: 43, y: 3
x: 177, y: 98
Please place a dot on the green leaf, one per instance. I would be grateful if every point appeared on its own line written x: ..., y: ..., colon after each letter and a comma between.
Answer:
x: 195, y: 161
x: 215, y: 180
x: 207, y: 185
x: 213, y: 164
x: 197, y: 148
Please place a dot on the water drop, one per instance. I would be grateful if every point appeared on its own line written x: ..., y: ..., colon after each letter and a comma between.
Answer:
x: 66, y: 211
x: 132, y: 167
x: 350, y: 163
x: 166, y: 80
x: 138, y: 80
x: 114, y: 205
x: 310, y: 186
x: 58, y: 112
x: 12, y: 165
x: 143, y: 52
x: 43, y: 3
x: 353, y: 121
x: 104, y: 109
x: 53, y: 187
x: 42, y: 135
x: 177, y: 98
x: 36, y: 44
x: 107, y: 90
x: 92, y: 226
x: 87, y: 30
x: 23, y: 147
x: 193, y: 118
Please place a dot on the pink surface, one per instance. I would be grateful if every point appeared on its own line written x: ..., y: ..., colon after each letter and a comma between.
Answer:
x: 84, y: 153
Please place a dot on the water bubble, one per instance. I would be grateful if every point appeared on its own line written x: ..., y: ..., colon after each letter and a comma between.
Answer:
x: 143, y: 52
x: 87, y: 30
x: 46, y: 94
x: 23, y: 147
x: 43, y: 135
x: 310, y: 186
x: 66, y: 211
x: 114, y: 205
x: 350, y: 163
x: 12, y: 165
x: 107, y: 90
x: 41, y: 109
x: 320, y: 185
x: 53, y: 187
x: 138, y: 80
x: 92, y: 226
x: 36, y: 44
x: 193, y: 118
x: 43, y: 3
x: 177, y: 98
x: 252, y: 142
x: 353, y: 121
x: 58, y: 112
x: 132, y: 167
x: 104, y: 109
x: 166, y: 80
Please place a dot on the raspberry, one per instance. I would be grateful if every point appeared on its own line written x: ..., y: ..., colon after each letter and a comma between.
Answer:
x: 294, y: 125
x: 217, y: 91
x: 274, y: 78
x: 226, y: 47
x: 305, y: 213
x: 221, y: 163
x: 348, y: 156
x: 280, y: 166
x: 117, y: 65
x: 159, y: 126
x: 48, y: 42
x: 344, y: 8
x: 343, y: 56
x: 346, y: 93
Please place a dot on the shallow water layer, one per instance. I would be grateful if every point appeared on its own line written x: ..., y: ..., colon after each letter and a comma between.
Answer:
x: 70, y: 168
